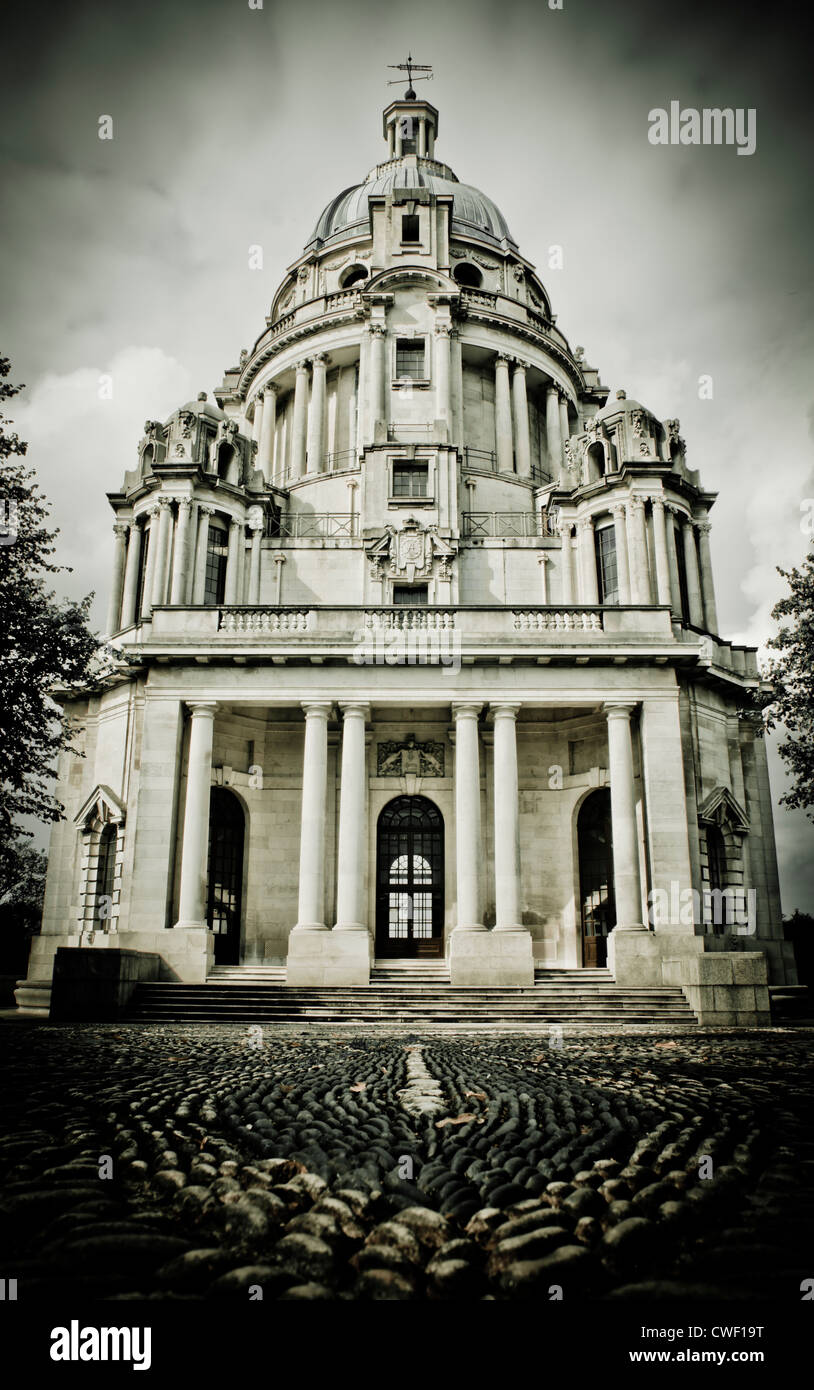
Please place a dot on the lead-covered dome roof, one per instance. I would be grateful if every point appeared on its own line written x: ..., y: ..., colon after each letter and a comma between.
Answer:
x: 473, y: 214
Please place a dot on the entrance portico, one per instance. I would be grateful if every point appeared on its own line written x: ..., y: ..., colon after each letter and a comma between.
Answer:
x: 485, y: 867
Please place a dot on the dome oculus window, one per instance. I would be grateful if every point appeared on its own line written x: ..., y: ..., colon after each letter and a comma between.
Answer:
x: 468, y: 275
x: 354, y: 275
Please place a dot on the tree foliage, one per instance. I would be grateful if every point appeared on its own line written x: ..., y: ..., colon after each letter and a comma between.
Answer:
x: 43, y: 643
x: 791, y: 674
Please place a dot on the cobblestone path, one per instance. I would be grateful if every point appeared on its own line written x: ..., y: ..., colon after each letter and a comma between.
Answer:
x: 212, y: 1162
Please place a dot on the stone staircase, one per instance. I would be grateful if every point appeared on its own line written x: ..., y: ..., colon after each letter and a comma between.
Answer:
x: 411, y: 994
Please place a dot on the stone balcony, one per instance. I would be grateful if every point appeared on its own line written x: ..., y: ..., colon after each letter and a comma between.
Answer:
x: 497, y: 633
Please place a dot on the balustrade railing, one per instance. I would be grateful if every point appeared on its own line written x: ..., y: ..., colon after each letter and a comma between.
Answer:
x: 319, y: 525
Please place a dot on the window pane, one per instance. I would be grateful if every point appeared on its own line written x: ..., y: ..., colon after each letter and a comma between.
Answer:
x: 410, y: 358
x: 410, y: 480
x: 215, y: 582
x: 409, y: 594
x: 409, y: 227
x: 606, y: 567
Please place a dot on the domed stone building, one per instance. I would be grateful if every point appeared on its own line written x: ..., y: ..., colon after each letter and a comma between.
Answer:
x: 414, y: 650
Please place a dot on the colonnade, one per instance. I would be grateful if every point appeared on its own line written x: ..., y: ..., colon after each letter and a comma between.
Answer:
x: 352, y: 847
x: 176, y: 533
x: 647, y: 558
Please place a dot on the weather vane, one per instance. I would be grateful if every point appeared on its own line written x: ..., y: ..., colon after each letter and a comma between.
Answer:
x: 410, y: 67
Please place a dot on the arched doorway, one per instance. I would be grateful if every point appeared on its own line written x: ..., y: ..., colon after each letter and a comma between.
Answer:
x: 225, y: 874
x: 410, y: 879
x: 595, y: 849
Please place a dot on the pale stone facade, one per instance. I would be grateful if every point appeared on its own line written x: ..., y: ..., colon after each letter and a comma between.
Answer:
x: 415, y: 575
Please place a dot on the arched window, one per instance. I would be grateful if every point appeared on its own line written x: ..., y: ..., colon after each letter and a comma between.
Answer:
x: 595, y: 461
x: 595, y: 850
x: 217, y: 551
x: 607, y: 570
x: 467, y: 274
x: 410, y: 879
x: 353, y: 275
x: 225, y: 874
x: 105, y: 874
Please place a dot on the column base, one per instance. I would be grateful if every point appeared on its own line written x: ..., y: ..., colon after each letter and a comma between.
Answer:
x: 328, y: 958
x: 635, y: 956
x: 490, y: 958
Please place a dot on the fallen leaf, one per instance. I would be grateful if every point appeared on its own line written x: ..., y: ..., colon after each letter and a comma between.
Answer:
x: 476, y: 1095
x: 360, y: 1086
x: 666, y: 1044
x: 458, y: 1120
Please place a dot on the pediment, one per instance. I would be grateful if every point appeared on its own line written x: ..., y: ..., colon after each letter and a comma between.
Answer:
x: 102, y: 805
x: 720, y: 807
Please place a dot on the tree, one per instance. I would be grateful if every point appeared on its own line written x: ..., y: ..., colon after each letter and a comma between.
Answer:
x: 791, y: 675
x: 43, y: 643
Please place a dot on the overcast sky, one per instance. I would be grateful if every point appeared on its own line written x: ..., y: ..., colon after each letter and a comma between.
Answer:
x: 234, y: 126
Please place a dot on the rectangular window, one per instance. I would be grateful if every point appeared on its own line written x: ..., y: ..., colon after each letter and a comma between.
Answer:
x: 411, y: 480
x: 606, y: 567
x: 410, y: 359
x: 408, y: 595
x: 217, y: 551
x: 682, y: 574
x: 409, y: 227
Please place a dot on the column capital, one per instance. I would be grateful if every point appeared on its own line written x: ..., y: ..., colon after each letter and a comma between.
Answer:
x: 675, y: 510
x: 301, y: 367
x: 442, y: 330
x: 542, y: 558
x: 504, y: 709
x: 202, y: 709
x: 317, y: 709
x: 278, y: 557
x: 636, y: 502
x: 520, y: 365
x: 206, y: 509
x: 466, y: 709
x: 656, y: 500
x: 185, y: 502
x: 502, y: 359
x: 234, y: 521
x: 164, y: 502
x: 618, y: 510
x: 270, y: 388
x: 703, y: 527
x: 565, y: 529
x: 619, y: 709
x: 319, y: 359
x: 584, y: 524
x: 376, y: 330
x: 354, y: 707
x: 120, y: 530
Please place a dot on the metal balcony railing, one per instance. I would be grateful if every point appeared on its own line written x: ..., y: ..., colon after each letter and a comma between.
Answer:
x: 501, y: 524
x: 319, y: 525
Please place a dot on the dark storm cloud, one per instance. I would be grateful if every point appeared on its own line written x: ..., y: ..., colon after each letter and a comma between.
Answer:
x: 233, y: 127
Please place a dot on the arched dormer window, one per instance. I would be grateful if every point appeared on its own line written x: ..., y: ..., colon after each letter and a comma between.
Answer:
x: 595, y: 460
x: 468, y: 275
x: 352, y: 275
x: 216, y: 554
x: 228, y: 463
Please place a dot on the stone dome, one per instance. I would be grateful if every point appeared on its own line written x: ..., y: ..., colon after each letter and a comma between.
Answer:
x: 202, y: 406
x: 621, y: 402
x: 473, y: 214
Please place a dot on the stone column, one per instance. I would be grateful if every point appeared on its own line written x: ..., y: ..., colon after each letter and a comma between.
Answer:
x: 660, y: 551
x: 311, y: 909
x: 639, y: 567
x: 201, y: 551
x: 180, y: 559
x: 422, y: 137
x: 254, y: 564
x: 508, y: 890
x: 149, y: 568
x: 351, y: 854
x: 257, y: 425
x: 195, y: 844
x: 553, y: 437
x: 279, y: 559
x: 117, y: 587
x: 626, y: 877
x: 707, y: 581
x: 672, y: 560
x: 467, y: 817
x: 503, y: 416
x: 542, y: 560
x: 162, y: 557
x: 588, y: 586
x: 442, y: 367
x: 377, y: 365
x: 231, y: 591
x: 693, y: 575
x: 521, y: 421
x: 457, y: 370
x: 266, y: 447
x: 566, y: 529
x: 565, y: 425
x: 622, y: 564
x: 316, y: 417
x: 131, y: 576
x: 298, y: 434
